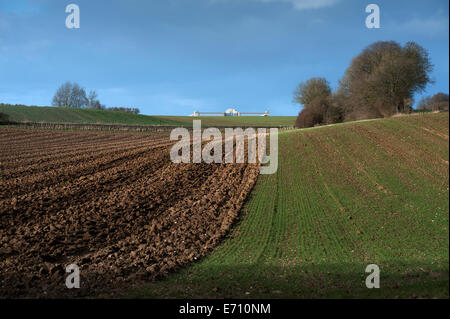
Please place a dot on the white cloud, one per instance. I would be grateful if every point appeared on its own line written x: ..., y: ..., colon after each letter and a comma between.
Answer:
x: 308, y: 4
x: 426, y: 26
x: 297, y: 4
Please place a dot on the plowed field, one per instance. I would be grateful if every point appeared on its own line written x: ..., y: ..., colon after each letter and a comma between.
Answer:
x: 112, y: 203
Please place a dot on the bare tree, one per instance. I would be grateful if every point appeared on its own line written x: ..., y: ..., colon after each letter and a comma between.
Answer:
x: 424, y: 104
x: 382, y: 78
x: 92, y: 98
x: 93, y: 102
x: 320, y: 105
x: 62, y: 95
x: 314, y: 88
x: 78, y: 96
x: 437, y: 102
x: 70, y: 95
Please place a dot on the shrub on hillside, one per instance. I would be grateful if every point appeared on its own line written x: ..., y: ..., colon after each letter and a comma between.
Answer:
x: 316, y: 98
x: 305, y: 119
x: 321, y: 110
x: 4, y: 117
x: 309, y: 117
x: 124, y: 109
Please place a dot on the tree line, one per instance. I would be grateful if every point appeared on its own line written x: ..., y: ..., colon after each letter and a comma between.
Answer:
x: 73, y: 95
x: 437, y: 102
x: 380, y: 82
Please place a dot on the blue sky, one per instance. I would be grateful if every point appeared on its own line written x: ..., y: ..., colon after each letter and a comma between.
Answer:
x: 175, y: 56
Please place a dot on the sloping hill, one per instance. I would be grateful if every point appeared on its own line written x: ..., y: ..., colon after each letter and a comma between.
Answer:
x: 86, y: 116
x: 345, y: 196
x: 72, y: 115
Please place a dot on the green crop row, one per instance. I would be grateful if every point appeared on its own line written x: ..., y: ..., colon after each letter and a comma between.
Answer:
x: 343, y: 197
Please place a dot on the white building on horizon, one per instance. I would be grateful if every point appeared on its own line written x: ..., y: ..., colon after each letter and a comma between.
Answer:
x: 229, y: 112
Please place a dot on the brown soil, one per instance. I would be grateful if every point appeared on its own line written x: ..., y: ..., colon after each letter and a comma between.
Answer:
x: 112, y: 203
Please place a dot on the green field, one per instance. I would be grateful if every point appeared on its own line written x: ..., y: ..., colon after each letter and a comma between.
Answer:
x: 72, y: 115
x: 222, y: 121
x: 344, y: 196
x: 87, y: 116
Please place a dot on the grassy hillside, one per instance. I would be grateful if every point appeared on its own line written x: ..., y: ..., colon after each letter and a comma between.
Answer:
x: 69, y: 115
x: 344, y: 196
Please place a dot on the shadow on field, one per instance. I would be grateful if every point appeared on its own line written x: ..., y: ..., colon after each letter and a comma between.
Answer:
x: 399, y: 280
x: 404, y: 280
